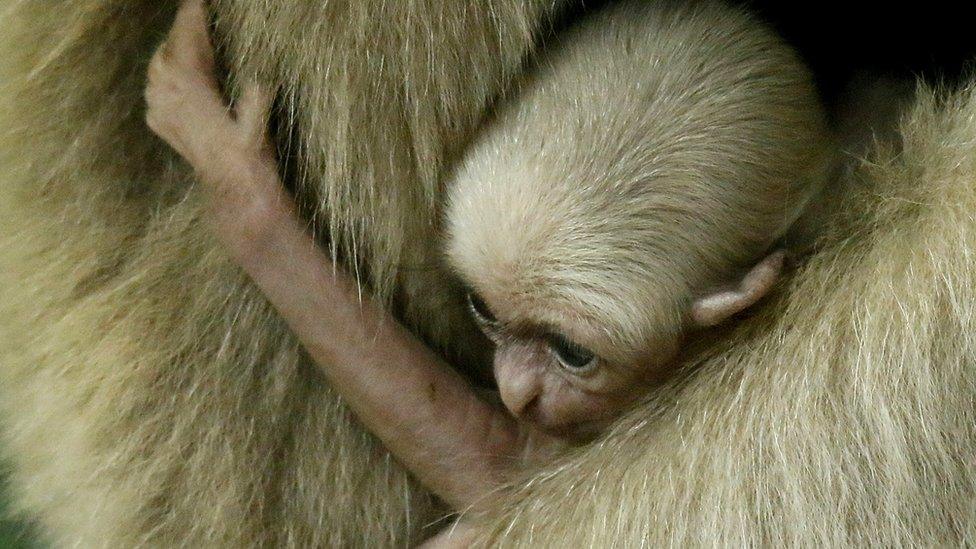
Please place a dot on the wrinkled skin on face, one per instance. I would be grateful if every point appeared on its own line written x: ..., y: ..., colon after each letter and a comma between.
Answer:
x: 568, y: 378
x: 560, y: 386
x: 623, y: 198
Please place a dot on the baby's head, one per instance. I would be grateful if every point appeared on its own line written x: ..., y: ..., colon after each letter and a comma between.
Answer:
x: 632, y: 192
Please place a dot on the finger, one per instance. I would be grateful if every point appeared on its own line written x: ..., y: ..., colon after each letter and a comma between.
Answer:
x: 189, y: 39
x: 183, y: 64
x: 253, y: 110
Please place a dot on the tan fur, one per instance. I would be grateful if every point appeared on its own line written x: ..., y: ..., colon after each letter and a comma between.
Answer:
x: 148, y: 393
x: 650, y: 155
x: 842, y: 416
x: 150, y: 396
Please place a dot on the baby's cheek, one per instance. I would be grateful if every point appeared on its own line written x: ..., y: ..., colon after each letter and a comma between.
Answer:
x: 568, y: 403
x: 614, y: 396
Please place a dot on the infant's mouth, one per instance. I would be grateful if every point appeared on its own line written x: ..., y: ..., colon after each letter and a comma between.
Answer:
x: 578, y: 432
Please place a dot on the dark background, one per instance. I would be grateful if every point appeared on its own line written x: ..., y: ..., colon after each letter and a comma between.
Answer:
x: 934, y: 40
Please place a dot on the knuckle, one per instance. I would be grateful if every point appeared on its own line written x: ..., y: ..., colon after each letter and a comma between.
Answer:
x: 152, y: 121
x: 153, y: 90
x: 154, y: 73
x: 161, y: 129
x: 163, y: 56
x: 154, y: 109
x: 160, y: 76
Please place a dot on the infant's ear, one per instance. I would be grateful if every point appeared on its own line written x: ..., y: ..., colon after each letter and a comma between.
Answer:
x: 713, y: 309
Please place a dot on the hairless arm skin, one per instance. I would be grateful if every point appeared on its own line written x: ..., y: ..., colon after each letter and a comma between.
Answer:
x: 426, y: 414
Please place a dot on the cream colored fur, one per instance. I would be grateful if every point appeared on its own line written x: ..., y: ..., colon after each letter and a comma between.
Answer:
x: 149, y: 395
x: 842, y: 416
x: 652, y: 153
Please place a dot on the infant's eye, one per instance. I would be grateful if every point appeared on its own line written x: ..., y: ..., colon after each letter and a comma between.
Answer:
x: 575, y: 358
x: 480, y: 310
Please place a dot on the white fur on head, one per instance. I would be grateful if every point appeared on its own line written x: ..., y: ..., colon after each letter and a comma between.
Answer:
x: 651, y: 153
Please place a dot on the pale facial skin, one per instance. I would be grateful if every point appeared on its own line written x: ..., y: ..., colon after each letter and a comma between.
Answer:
x: 458, y: 445
x: 548, y: 379
x: 568, y: 388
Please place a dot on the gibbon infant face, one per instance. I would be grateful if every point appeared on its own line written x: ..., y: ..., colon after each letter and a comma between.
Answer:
x: 632, y: 191
x: 557, y: 366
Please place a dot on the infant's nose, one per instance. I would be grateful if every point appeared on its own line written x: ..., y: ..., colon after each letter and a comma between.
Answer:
x: 520, y: 393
